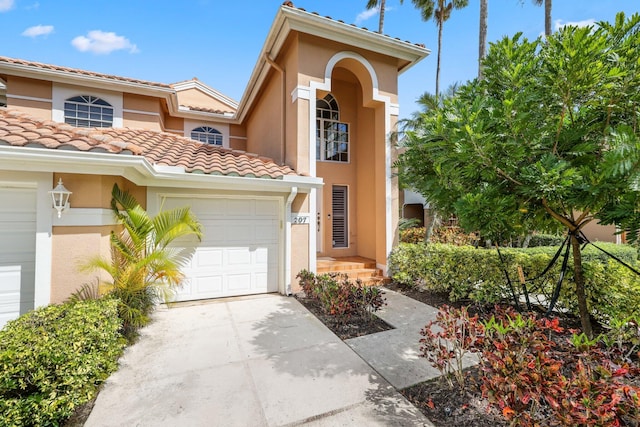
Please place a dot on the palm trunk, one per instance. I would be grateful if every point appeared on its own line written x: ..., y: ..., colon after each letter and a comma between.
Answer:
x: 438, y: 62
x: 482, y: 38
x: 580, y: 291
x: 382, y: 7
x: 547, y: 17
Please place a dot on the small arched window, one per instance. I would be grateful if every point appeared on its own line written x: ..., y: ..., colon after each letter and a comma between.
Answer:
x: 207, y: 135
x: 88, y: 112
x: 332, y: 136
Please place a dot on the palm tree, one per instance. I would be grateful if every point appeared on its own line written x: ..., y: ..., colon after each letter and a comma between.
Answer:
x: 143, y: 267
x: 482, y: 37
x: 381, y: 5
x: 440, y: 14
x: 547, y: 14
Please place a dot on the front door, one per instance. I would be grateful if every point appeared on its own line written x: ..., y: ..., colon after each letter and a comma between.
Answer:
x: 340, y: 217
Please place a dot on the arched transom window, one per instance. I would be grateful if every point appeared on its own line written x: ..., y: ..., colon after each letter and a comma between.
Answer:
x: 207, y: 135
x: 332, y: 136
x: 88, y: 112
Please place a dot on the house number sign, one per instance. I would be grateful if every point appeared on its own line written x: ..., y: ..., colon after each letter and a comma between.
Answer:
x: 300, y: 218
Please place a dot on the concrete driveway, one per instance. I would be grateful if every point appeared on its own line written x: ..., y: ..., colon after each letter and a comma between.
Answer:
x: 252, y: 361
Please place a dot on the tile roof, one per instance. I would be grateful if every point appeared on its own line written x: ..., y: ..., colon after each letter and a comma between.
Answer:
x: 42, y: 66
x: 205, y: 110
x: 18, y: 129
x: 290, y: 4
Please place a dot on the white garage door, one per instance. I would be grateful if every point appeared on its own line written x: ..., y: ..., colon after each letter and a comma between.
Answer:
x: 239, y: 251
x: 17, y: 251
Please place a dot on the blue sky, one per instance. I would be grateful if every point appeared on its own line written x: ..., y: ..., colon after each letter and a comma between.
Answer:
x: 218, y: 41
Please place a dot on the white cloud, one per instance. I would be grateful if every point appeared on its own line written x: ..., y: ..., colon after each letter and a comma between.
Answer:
x: 38, y: 30
x: 366, y: 14
x: 584, y: 23
x: 6, y: 5
x: 102, y: 43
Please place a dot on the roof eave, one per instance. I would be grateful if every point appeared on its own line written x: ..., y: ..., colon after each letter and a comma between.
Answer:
x: 140, y: 171
x: 292, y: 19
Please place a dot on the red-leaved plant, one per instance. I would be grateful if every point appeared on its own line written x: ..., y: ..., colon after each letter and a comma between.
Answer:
x: 448, y: 339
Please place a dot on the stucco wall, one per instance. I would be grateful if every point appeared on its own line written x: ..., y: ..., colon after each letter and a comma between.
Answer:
x: 196, y: 98
x: 600, y: 233
x: 264, y: 125
x: 38, y: 94
x: 73, y: 245
x: 237, y: 137
x: 315, y: 53
x: 300, y: 240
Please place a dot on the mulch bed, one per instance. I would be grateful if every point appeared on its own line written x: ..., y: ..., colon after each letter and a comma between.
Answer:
x: 356, y: 326
x: 441, y: 404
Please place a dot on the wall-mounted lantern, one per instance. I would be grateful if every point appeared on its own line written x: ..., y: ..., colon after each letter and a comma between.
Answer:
x: 60, y: 197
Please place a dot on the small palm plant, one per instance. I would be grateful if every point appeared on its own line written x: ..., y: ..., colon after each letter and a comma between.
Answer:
x: 143, y: 267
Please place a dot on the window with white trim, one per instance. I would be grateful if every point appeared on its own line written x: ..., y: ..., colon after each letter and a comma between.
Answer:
x: 332, y: 136
x: 88, y: 111
x: 207, y: 135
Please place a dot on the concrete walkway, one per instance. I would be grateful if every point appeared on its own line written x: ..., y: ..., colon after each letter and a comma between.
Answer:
x: 394, y: 354
x: 255, y: 361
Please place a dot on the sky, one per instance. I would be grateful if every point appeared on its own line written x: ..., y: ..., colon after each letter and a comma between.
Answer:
x: 218, y: 41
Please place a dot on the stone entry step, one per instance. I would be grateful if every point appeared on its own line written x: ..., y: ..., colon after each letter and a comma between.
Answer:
x: 354, y: 267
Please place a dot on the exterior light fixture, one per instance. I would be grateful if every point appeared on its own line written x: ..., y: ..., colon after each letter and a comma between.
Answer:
x: 60, y: 197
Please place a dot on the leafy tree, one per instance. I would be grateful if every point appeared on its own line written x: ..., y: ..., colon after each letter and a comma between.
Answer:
x: 440, y: 12
x: 143, y: 267
x: 549, y: 139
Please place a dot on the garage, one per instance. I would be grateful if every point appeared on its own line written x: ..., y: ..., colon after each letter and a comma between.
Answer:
x: 17, y: 249
x: 240, y: 249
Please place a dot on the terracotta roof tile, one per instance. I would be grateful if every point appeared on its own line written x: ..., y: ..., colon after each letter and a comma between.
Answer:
x: 206, y: 110
x: 291, y: 5
x: 20, y: 130
x: 40, y: 65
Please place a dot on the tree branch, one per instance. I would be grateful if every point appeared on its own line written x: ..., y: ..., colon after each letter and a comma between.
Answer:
x: 565, y: 221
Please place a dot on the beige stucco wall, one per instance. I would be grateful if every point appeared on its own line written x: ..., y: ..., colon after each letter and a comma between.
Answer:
x: 173, y: 124
x: 264, y: 125
x: 194, y: 97
x: 73, y: 245
x: 32, y: 88
x: 141, y: 112
x: 300, y: 240
x: 237, y: 137
x: 600, y: 233
x: 315, y: 53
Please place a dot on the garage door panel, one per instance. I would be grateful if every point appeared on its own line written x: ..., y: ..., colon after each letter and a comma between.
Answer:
x: 208, y: 285
x: 239, y: 251
x: 17, y: 251
x: 208, y: 257
x: 239, y: 257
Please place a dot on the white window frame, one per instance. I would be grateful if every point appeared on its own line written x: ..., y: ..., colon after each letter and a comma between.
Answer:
x: 62, y: 92
x: 223, y: 128
x: 206, y: 133
x: 326, y: 137
x: 94, y: 109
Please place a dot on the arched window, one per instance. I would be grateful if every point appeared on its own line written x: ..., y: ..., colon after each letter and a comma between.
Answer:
x: 207, y: 135
x: 332, y: 136
x: 88, y: 112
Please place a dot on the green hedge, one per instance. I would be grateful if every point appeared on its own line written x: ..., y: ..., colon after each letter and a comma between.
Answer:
x: 477, y: 274
x: 53, y: 358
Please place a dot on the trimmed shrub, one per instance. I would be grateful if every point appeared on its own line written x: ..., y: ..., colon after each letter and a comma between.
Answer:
x: 541, y: 239
x: 465, y: 272
x: 340, y: 297
x: 52, y: 359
